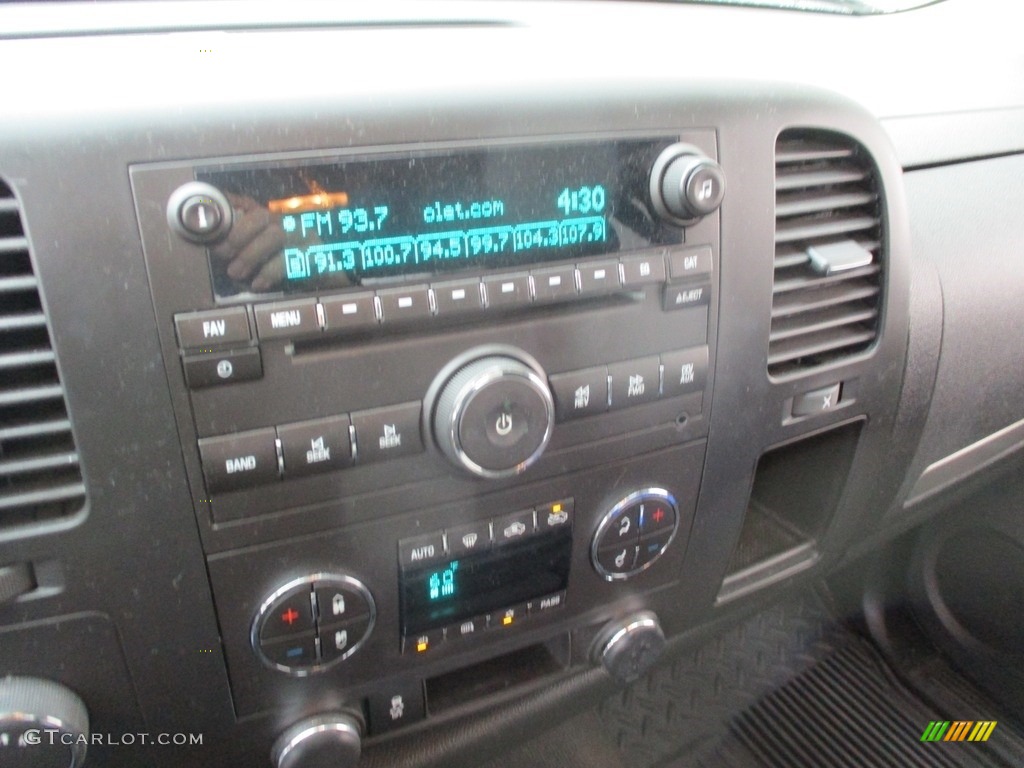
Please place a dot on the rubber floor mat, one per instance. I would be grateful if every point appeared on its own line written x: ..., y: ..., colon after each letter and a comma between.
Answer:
x: 850, y: 709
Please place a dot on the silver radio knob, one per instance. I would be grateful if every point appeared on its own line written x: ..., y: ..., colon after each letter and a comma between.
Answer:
x: 628, y: 648
x: 494, y: 416
x: 44, y: 721
x: 324, y: 741
x: 686, y: 184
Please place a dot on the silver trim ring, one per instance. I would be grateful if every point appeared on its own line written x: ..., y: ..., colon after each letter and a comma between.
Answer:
x: 606, y: 522
x: 499, y: 370
x: 325, y: 579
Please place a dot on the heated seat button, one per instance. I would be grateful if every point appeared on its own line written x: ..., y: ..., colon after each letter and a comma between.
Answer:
x: 316, y: 446
x: 387, y: 433
x: 239, y: 461
x: 635, y: 381
x: 289, y: 614
x: 580, y: 393
x: 422, y: 642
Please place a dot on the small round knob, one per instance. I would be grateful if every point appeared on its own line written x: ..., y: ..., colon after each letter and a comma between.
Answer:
x: 325, y: 741
x: 628, y: 648
x: 199, y: 212
x: 42, y: 721
x: 686, y: 184
x: 494, y: 416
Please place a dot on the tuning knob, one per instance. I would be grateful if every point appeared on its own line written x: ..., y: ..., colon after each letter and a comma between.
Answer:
x: 325, y: 741
x: 686, y: 184
x: 42, y: 724
x: 628, y: 648
x: 494, y: 415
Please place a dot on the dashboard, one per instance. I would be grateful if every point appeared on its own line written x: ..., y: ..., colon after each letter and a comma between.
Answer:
x: 385, y: 383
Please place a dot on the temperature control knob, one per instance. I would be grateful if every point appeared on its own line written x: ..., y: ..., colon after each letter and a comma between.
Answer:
x: 494, y: 415
x: 42, y: 724
x: 686, y: 184
x: 324, y: 741
x: 628, y: 648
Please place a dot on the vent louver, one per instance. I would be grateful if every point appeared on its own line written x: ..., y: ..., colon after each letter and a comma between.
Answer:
x: 827, y: 291
x: 39, y: 474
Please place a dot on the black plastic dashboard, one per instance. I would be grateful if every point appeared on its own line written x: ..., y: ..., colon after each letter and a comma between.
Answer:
x: 844, y: 329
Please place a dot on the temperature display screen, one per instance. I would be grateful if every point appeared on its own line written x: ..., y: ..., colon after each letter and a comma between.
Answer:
x: 457, y: 589
x: 369, y: 221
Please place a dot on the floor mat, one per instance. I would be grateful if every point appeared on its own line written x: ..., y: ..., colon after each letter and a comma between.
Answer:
x: 850, y: 709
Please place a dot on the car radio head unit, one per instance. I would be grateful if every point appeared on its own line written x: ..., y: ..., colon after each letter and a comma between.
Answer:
x: 389, y: 217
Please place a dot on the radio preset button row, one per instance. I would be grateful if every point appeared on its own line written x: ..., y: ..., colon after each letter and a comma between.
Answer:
x: 363, y: 310
x: 586, y: 392
x: 260, y: 456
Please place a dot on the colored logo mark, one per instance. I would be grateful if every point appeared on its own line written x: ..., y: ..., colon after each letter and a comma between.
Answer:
x: 958, y: 730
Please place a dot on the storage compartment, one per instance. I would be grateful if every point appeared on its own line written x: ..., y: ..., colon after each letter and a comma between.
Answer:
x: 794, y: 495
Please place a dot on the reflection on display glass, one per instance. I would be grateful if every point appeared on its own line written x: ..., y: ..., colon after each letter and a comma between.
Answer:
x: 373, y: 221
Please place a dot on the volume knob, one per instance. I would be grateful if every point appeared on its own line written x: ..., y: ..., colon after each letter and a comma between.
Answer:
x: 42, y: 722
x: 686, y: 184
x: 494, y: 416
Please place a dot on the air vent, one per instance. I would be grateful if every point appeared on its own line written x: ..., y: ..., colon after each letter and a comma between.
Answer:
x: 39, y: 474
x: 827, y: 292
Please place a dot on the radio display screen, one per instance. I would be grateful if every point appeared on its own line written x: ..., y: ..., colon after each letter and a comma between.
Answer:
x: 457, y: 589
x: 371, y: 220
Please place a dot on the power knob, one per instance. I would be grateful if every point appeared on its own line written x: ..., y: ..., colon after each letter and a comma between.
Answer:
x: 324, y: 741
x: 494, y: 415
x: 630, y: 647
x: 686, y: 184
x: 42, y: 724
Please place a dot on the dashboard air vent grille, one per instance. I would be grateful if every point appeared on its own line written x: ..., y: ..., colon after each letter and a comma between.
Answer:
x: 39, y: 474
x: 827, y: 290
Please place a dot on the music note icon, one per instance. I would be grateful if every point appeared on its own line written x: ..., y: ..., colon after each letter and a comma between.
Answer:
x: 706, y: 189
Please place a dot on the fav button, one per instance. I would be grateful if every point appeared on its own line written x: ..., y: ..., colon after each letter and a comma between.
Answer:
x: 387, y: 433
x: 197, y: 330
